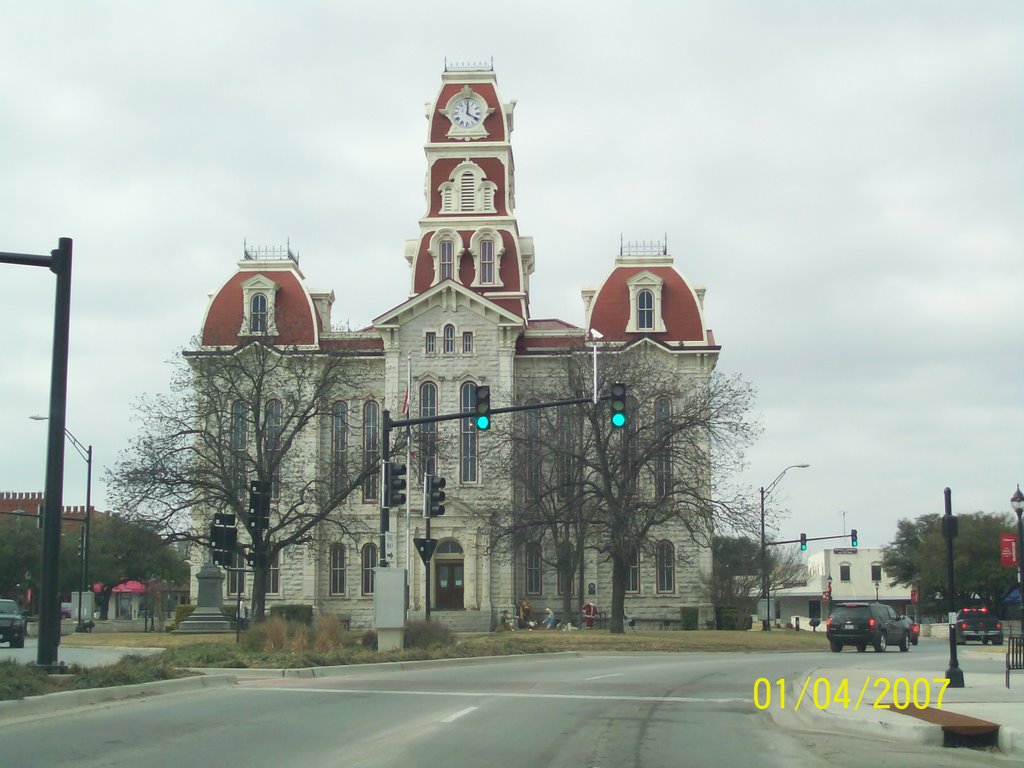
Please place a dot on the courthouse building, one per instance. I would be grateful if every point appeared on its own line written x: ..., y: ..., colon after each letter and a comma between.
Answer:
x: 464, y: 320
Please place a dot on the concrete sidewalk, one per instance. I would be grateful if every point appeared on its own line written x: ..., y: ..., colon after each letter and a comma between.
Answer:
x: 861, y: 700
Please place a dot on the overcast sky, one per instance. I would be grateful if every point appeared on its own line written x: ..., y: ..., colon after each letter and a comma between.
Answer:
x: 846, y: 179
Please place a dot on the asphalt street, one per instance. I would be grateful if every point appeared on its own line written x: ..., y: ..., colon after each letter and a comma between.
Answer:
x: 594, y: 710
x: 87, y: 657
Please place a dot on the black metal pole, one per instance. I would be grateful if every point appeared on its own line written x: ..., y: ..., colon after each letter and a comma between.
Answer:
x: 954, y: 674
x: 85, y: 538
x: 385, y: 512
x: 53, y: 501
x: 426, y: 583
x: 766, y: 622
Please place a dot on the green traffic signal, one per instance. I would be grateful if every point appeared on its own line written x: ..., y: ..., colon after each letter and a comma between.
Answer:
x: 853, y: 537
x: 618, y: 405
x: 803, y: 542
x: 482, y: 407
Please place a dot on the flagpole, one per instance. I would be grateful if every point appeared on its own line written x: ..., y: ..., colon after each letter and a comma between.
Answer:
x: 408, y: 463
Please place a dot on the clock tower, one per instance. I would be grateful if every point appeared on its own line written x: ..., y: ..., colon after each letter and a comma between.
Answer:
x: 469, y: 234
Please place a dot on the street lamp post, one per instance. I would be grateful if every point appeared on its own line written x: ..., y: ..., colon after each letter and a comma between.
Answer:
x: 1017, y: 502
x: 765, y: 492
x: 876, y: 591
x: 86, y: 453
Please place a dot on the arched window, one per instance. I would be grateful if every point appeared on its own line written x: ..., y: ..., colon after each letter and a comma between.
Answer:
x: 633, y: 571
x: 533, y: 458
x: 645, y: 310
x: 449, y: 547
x: 449, y: 339
x: 666, y: 566
x: 663, y: 459
x: 468, y: 443
x: 239, y: 431
x: 339, y: 447
x: 371, y: 449
x: 337, y: 569
x: 447, y: 260
x: 258, y: 313
x: 273, y: 423
x: 428, y: 432
x: 534, y: 570
x: 487, y: 262
x: 369, y: 562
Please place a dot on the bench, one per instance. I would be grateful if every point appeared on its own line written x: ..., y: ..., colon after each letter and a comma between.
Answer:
x: 1014, y: 655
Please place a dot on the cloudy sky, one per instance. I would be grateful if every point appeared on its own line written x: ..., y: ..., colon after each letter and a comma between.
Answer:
x: 846, y: 179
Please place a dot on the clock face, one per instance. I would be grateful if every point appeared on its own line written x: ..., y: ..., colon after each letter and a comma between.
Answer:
x: 466, y: 113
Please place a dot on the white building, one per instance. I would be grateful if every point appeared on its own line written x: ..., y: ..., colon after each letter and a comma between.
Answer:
x: 464, y: 319
x: 856, y: 574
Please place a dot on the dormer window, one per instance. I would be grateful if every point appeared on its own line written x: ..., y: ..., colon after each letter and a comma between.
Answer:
x: 486, y: 246
x: 447, y: 260
x: 486, y: 262
x: 467, y: 190
x: 645, y: 314
x: 645, y: 310
x: 258, y: 313
x: 258, y: 295
x: 445, y: 247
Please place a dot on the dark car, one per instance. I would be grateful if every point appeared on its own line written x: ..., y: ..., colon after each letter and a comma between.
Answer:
x: 913, y: 627
x: 978, y: 624
x: 12, y: 624
x: 864, y: 624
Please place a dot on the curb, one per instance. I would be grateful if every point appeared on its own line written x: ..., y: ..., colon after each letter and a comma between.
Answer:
x: 32, y: 706
x: 252, y: 673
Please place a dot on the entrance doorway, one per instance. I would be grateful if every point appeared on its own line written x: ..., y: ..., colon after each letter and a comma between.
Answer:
x: 450, y: 585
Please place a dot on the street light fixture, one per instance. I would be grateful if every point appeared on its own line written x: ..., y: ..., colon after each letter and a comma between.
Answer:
x: 765, y: 492
x: 86, y: 453
x: 1017, y: 502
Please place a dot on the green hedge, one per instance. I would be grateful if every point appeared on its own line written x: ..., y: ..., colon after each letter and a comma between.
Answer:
x: 688, y: 618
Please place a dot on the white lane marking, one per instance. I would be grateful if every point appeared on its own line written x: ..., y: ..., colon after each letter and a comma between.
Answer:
x: 504, y: 695
x: 602, y: 677
x: 455, y: 716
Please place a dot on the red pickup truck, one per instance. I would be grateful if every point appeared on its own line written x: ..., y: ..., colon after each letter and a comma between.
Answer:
x: 978, y: 624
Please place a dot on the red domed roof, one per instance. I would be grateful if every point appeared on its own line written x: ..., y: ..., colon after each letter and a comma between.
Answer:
x: 680, y: 309
x: 295, y: 317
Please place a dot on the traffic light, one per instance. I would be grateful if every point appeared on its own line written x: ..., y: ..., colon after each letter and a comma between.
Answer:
x: 482, y: 407
x: 435, y: 495
x: 394, y: 484
x: 259, y: 505
x: 853, y: 537
x: 803, y: 542
x: 618, y: 404
x: 223, y: 538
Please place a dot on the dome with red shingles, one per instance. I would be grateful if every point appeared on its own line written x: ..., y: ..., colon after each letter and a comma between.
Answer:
x: 294, y: 316
x: 677, y: 306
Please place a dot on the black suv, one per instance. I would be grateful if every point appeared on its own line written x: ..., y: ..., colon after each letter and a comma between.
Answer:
x: 12, y: 624
x: 863, y: 624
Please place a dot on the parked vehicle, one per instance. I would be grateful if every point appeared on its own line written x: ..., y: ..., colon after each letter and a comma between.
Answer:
x: 912, y: 627
x: 12, y: 624
x: 978, y: 624
x: 864, y: 624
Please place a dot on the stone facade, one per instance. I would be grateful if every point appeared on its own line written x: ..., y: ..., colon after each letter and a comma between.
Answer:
x: 466, y: 321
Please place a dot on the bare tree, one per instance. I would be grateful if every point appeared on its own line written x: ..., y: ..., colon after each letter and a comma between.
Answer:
x: 580, y: 481
x: 255, y: 412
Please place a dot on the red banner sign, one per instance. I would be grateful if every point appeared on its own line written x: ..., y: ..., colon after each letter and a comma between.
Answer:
x: 913, y: 596
x: 1008, y: 553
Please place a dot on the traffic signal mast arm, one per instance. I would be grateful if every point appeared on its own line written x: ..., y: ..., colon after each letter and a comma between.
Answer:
x: 392, y: 423
x: 808, y: 538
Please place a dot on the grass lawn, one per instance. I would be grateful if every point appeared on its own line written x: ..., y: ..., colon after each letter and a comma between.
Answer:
x: 526, y: 642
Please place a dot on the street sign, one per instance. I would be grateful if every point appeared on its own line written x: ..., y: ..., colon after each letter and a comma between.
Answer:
x: 1008, y: 550
x: 913, y: 596
x: 389, y: 546
x: 426, y: 548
